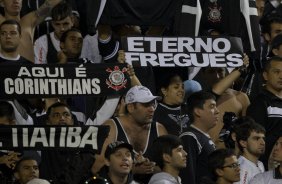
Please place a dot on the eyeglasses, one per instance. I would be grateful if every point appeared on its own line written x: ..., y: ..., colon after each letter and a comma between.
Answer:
x: 233, y: 166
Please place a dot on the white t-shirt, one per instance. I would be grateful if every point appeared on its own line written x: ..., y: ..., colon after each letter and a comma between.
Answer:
x: 164, y: 178
x: 90, y: 49
x: 22, y: 118
x: 265, y: 178
x: 41, y: 48
x: 248, y: 170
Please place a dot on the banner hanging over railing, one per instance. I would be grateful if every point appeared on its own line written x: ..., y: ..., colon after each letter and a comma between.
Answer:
x: 183, y: 51
x: 53, y: 137
x: 18, y: 81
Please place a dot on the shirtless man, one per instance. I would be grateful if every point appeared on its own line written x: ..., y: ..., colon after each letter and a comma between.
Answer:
x: 136, y: 127
x: 28, y: 22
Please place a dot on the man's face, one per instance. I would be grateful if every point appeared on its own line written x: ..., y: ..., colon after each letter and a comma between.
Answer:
x: 255, y: 144
x: 9, y: 37
x: 273, y: 77
x: 209, y: 115
x: 178, y: 158
x: 60, y: 116
x: 277, y: 150
x: 60, y: 26
x: 120, y: 161
x: 73, y: 44
x: 12, y: 7
x: 143, y: 112
x: 275, y: 29
x: 230, y: 170
x: 28, y: 170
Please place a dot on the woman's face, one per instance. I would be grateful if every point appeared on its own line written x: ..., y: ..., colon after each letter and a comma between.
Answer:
x: 174, y: 93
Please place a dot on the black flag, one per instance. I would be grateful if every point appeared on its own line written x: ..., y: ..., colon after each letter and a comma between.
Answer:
x: 187, y: 19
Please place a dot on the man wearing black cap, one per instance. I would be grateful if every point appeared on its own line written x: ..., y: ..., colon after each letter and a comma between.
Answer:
x: 272, y: 176
x: 119, y: 162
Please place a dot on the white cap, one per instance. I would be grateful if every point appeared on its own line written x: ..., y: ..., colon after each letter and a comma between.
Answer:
x: 139, y: 94
x: 38, y: 181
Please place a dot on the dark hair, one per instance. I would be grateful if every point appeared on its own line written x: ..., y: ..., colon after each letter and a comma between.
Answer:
x: 55, y: 105
x: 65, y: 34
x: 18, y: 164
x: 266, y: 24
x: 268, y: 62
x: 229, y: 121
x: 12, y: 22
x: 61, y: 11
x: 166, y: 80
x: 197, y: 100
x: 7, y: 110
x: 216, y: 160
x: 276, y: 42
x: 244, y: 130
x: 163, y: 145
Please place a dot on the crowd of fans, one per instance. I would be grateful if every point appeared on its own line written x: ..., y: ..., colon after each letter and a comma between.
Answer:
x: 223, y: 125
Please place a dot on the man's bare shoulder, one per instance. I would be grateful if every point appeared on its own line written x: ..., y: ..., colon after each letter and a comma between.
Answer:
x: 29, y: 20
x: 161, y: 129
x: 240, y: 94
x: 108, y: 122
x: 236, y: 93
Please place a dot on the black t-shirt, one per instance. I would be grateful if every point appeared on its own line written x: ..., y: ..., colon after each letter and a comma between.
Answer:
x: 19, y: 61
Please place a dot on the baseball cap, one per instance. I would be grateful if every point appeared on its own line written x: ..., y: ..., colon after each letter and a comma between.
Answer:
x: 139, y: 94
x: 276, y: 42
x: 114, y: 146
x: 38, y: 181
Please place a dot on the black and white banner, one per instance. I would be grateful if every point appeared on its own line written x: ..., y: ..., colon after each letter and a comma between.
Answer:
x: 183, y: 51
x: 52, y: 137
x: 62, y: 80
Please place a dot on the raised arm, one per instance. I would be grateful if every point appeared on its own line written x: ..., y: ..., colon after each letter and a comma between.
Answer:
x: 130, y: 70
x: 227, y: 81
x: 34, y: 18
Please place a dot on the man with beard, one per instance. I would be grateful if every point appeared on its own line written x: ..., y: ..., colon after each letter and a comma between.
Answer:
x: 64, y: 166
x: 250, y: 138
x: 59, y: 114
x: 272, y: 176
x: 10, y: 36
